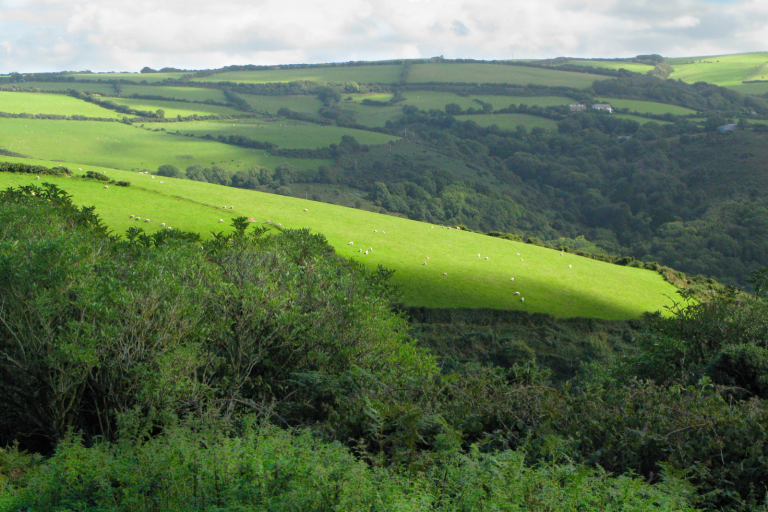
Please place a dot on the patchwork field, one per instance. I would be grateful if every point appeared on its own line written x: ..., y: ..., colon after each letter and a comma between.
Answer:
x: 639, y: 119
x: 56, y: 104
x: 133, y: 77
x: 421, y: 254
x: 648, y: 107
x: 180, y: 93
x: 284, y: 133
x: 635, y: 67
x: 724, y: 70
x: 271, y: 104
x: 62, y: 86
x: 386, y: 74
x: 121, y: 146
x: 510, y: 121
x: 498, y: 73
x: 175, y: 108
x: 427, y: 100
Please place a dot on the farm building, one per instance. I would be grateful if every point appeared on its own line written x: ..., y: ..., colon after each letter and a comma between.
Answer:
x: 577, y: 108
x: 603, y: 106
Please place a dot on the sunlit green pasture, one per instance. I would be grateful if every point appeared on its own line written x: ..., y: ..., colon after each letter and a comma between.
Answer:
x: 435, y: 266
x: 510, y: 121
x: 639, y: 119
x: 724, y: 70
x: 62, y: 86
x: 386, y: 73
x: 635, y: 67
x: 133, y: 77
x: 285, y: 133
x: 179, y: 93
x: 498, y: 73
x: 56, y: 104
x: 648, y: 107
x: 427, y: 100
x: 175, y: 108
x: 121, y: 146
x: 271, y: 104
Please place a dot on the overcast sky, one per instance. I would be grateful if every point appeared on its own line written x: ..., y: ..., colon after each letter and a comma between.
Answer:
x: 107, y: 35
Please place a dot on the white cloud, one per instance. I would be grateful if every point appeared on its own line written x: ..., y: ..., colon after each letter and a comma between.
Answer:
x: 682, y: 22
x: 115, y: 34
x: 7, y: 46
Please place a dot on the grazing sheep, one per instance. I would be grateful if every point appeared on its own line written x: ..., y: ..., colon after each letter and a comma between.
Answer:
x: 570, y: 266
x: 383, y: 232
x: 366, y: 252
x: 486, y: 257
x: 306, y: 210
x: 427, y: 257
x: 163, y: 224
x: 375, y: 230
x: 221, y: 220
x: 561, y: 254
x: 38, y: 177
x: 518, y: 254
x: 153, y: 177
x: 511, y: 278
x: 457, y: 227
x: 359, y: 250
x: 146, y: 220
x: 106, y: 186
x: 79, y: 168
x: 351, y: 243
x: 231, y: 207
x: 279, y: 224
x: 449, y: 227
x: 424, y: 263
x: 138, y: 218
x: 370, y: 249
x: 433, y: 227
x: 521, y: 259
x: 522, y: 299
x: 478, y: 255
x: 445, y: 273
x: 169, y: 228
x: 517, y: 293
x: 132, y: 216
x: 161, y: 182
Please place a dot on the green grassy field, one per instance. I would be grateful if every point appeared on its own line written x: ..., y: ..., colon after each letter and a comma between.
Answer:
x: 133, y: 77
x: 121, y: 146
x: 62, y: 86
x: 510, y: 121
x: 648, y: 107
x: 427, y: 100
x: 57, y: 104
x: 285, y: 133
x: 724, y: 70
x: 175, y: 108
x: 497, y: 73
x: 641, y: 120
x: 635, y: 67
x: 271, y: 104
x: 564, y: 286
x: 387, y: 74
x: 180, y: 93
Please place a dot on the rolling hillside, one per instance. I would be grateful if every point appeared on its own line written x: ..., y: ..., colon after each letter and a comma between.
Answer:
x: 420, y: 253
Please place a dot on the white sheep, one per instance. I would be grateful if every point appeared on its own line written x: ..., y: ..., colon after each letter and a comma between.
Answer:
x: 306, y: 210
x: 79, y: 168
x: 521, y: 259
x: 511, y: 278
x: 366, y: 252
x: 133, y: 216
x: 161, y: 182
x: 146, y: 220
x: 106, y: 186
x: 486, y: 257
x: 163, y: 224
x: 38, y: 177
x: 383, y: 232
x: 375, y: 230
x: 424, y: 263
x: 449, y: 227
x: 427, y: 257
x: 351, y: 243
x: 517, y: 293
x: 221, y: 220
x: 370, y: 249
x: 138, y: 218
x: 433, y: 227
x: 570, y: 266
x: 445, y: 273
x: 153, y: 177
x: 522, y: 299
x: 231, y: 207
x: 518, y: 254
x: 457, y: 227
x: 478, y: 255
x: 169, y: 228
x: 359, y: 250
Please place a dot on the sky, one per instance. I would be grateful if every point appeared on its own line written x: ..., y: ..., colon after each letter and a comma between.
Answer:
x: 126, y: 35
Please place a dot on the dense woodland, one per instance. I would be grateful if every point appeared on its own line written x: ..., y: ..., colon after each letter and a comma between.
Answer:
x: 258, y: 369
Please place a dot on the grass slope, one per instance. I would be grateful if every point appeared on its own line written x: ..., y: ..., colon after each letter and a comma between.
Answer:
x: 388, y: 73
x: 121, y: 146
x: 62, y: 86
x: 510, y: 121
x: 588, y: 289
x: 725, y: 70
x: 635, y: 67
x: 284, y: 133
x: 179, y: 93
x: 133, y: 77
x: 175, y: 108
x: 57, y: 104
x: 648, y: 107
x: 496, y: 73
